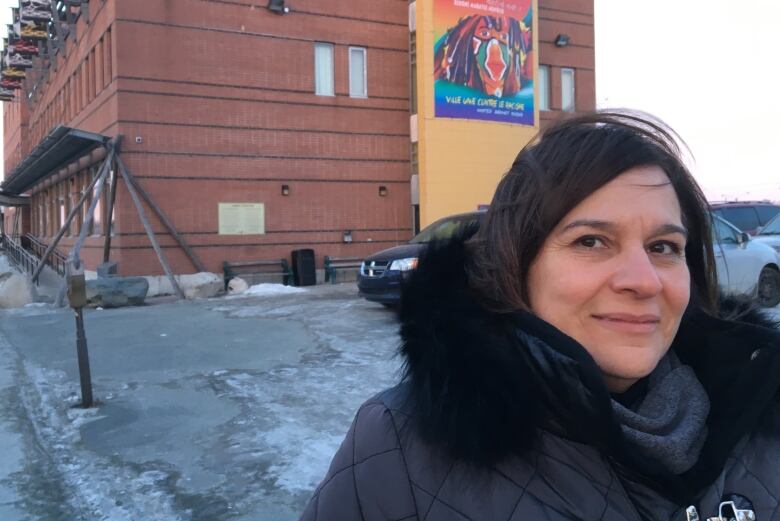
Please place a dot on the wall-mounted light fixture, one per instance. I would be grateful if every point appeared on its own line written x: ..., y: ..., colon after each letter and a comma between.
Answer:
x: 347, y: 236
x: 278, y: 7
x: 382, y: 191
x: 285, y: 189
x: 562, y: 40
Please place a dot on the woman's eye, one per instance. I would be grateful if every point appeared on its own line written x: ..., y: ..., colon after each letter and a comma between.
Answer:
x: 591, y: 242
x: 666, y: 248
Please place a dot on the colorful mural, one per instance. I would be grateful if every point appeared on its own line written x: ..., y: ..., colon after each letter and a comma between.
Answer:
x: 483, y: 62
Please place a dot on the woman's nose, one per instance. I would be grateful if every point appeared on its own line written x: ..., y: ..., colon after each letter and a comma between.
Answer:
x: 636, y: 273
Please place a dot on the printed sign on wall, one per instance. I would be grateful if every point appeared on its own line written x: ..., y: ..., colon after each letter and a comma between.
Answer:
x: 483, y: 63
x: 241, y: 218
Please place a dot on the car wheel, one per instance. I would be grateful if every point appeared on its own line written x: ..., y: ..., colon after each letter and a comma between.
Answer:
x: 769, y: 287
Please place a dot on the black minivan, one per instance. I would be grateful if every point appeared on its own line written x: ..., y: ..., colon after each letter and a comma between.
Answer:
x: 381, y: 274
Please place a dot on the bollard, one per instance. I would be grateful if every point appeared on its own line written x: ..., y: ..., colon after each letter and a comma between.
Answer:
x: 77, y: 297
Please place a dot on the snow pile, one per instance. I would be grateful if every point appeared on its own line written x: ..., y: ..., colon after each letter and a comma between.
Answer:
x: 16, y: 291
x: 33, y: 309
x: 237, y: 285
x: 5, y: 266
x: 268, y: 290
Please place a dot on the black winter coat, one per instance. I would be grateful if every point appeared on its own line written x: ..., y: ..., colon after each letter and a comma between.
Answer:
x: 503, y: 417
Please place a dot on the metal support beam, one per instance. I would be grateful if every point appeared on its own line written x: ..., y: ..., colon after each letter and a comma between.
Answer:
x: 15, y: 230
x: 87, y: 224
x: 55, y: 16
x: 52, y: 54
x: 110, y: 213
x: 68, y: 220
x: 149, y: 232
x: 161, y: 215
x: 70, y: 18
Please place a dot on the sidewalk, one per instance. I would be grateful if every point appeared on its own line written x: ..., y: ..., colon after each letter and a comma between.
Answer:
x: 218, y: 409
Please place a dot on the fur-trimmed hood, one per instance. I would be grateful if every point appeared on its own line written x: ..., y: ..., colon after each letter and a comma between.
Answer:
x: 481, y: 385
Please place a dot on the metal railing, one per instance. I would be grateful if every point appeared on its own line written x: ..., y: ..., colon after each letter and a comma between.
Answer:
x: 56, y: 261
x: 21, y: 258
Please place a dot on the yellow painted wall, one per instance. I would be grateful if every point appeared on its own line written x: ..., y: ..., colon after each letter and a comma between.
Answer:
x: 460, y: 161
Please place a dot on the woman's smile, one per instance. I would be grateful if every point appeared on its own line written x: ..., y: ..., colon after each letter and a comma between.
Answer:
x: 627, y: 323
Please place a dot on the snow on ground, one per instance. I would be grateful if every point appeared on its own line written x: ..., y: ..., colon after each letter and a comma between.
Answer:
x: 32, y: 309
x: 271, y: 290
x: 304, y: 410
x: 60, y: 470
x: 284, y: 423
x: 5, y: 266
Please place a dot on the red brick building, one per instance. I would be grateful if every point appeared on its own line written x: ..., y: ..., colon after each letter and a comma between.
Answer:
x: 305, y: 113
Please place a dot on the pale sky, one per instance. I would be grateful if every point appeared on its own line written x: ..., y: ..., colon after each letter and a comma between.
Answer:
x: 707, y: 67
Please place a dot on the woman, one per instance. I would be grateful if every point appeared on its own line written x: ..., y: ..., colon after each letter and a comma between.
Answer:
x: 571, y: 360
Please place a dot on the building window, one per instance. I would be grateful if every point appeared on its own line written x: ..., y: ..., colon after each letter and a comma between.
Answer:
x: 413, y: 68
x: 41, y: 231
x: 323, y: 69
x: 357, y: 72
x: 73, y: 198
x: 544, y: 87
x: 567, y: 90
x: 99, y: 65
x: 62, y: 217
x: 107, y: 53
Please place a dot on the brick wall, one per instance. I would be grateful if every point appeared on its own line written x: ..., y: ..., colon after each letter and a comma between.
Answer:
x: 216, y: 103
x: 573, y: 18
x: 221, y: 99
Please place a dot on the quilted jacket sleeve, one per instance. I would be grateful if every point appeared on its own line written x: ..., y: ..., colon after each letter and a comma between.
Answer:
x: 367, y: 479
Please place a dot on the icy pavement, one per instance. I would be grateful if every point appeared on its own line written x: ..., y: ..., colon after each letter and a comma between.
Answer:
x: 218, y: 409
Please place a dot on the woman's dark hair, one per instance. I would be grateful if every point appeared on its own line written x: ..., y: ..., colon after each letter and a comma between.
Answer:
x: 556, y: 171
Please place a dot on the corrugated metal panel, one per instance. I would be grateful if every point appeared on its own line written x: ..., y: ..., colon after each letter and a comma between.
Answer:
x: 7, y: 199
x: 61, y: 146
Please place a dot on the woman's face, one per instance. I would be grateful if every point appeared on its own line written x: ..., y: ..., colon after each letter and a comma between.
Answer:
x: 612, y: 274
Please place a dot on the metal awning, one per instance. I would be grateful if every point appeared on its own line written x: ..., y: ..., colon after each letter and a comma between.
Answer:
x: 61, y: 146
x: 7, y: 199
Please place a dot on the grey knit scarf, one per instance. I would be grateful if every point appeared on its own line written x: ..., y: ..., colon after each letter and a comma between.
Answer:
x: 668, y: 424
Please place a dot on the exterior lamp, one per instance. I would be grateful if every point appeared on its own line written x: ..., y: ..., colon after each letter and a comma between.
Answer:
x: 562, y: 40
x: 278, y: 7
x: 347, y: 236
x: 382, y: 191
x: 285, y: 189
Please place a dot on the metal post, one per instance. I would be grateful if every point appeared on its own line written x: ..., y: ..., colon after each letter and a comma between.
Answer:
x: 77, y: 296
x: 83, y: 356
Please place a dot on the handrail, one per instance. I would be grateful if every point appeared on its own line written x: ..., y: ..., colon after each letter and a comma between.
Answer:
x: 57, y: 261
x: 21, y: 258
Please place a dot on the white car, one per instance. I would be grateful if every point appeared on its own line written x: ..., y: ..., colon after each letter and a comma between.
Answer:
x: 745, y: 265
x: 770, y: 233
